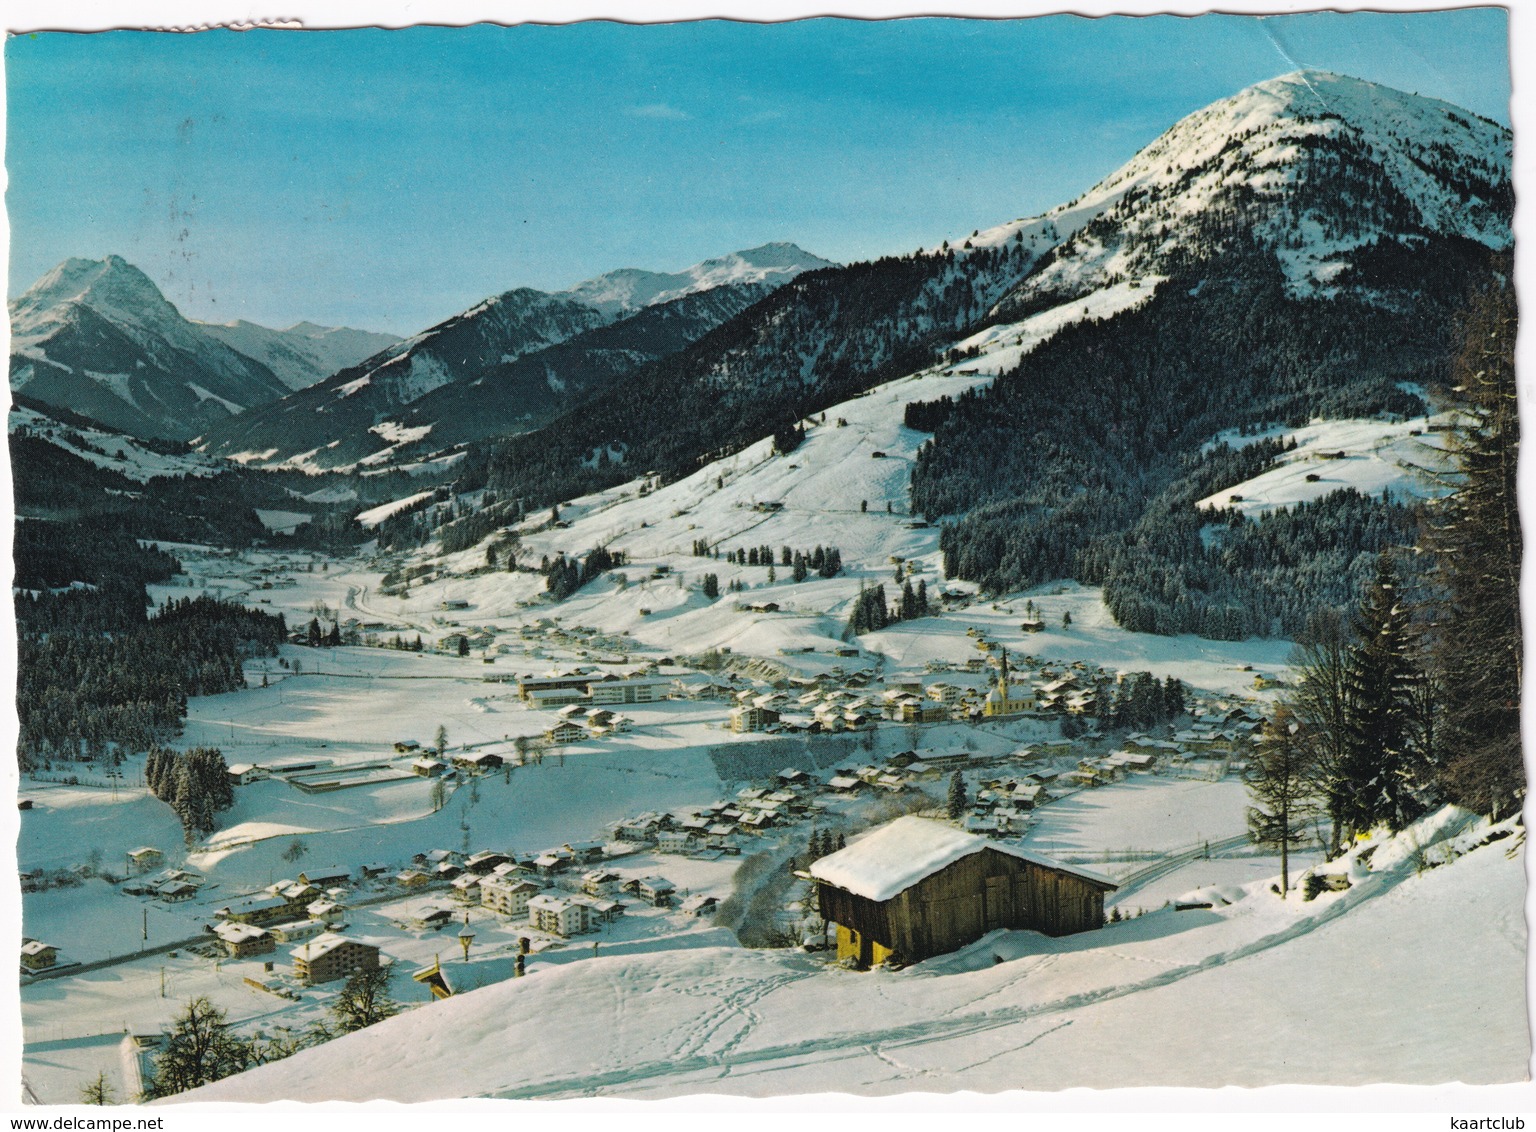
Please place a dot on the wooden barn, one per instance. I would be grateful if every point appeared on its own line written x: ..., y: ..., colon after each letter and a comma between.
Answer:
x: 916, y: 888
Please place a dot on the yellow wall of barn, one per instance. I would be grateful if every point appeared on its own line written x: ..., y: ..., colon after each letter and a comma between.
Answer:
x: 848, y: 947
x: 847, y: 944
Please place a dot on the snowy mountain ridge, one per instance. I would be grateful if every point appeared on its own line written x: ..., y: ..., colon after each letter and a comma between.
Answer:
x: 628, y: 289
x: 98, y: 337
x: 305, y: 352
x: 1326, y: 162
x: 506, y: 364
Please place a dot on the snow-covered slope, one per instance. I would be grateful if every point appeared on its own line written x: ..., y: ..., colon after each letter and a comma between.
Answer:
x: 114, y: 451
x: 1350, y: 988
x: 97, y: 337
x: 304, y: 353
x: 628, y: 289
x: 1370, y: 456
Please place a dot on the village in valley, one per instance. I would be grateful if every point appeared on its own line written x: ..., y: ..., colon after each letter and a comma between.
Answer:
x: 1083, y: 653
x: 525, y: 791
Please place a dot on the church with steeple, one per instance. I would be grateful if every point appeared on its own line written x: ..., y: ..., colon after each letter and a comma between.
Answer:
x: 1006, y: 698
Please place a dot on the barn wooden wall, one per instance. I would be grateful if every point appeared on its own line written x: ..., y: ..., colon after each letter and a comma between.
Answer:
x: 975, y: 895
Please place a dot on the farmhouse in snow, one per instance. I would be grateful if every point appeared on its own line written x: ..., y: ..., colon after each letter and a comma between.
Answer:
x: 916, y: 888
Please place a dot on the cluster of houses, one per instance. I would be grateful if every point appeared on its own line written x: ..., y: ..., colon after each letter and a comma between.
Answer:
x: 845, y: 702
x: 557, y: 890
x: 288, y: 911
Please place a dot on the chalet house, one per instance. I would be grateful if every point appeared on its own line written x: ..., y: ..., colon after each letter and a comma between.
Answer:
x: 37, y: 955
x: 478, y: 761
x: 603, y: 910
x: 176, y: 891
x: 412, y: 878
x: 675, y: 840
x: 558, y: 915
x: 330, y: 956
x: 653, y: 890
x: 326, y: 875
x: 256, y: 910
x: 584, y: 852
x: 916, y: 888
x: 429, y: 917
x: 485, y: 861
x: 407, y: 747
x: 324, y: 909
x: 601, y: 882
x: 642, y: 829
x: 241, y: 940
x: 428, y: 768
x: 143, y: 859
x: 243, y: 774
x: 700, y: 905
x: 564, y: 732
x: 466, y: 887
x: 749, y: 718
x: 297, y: 931
x: 606, y: 722
x: 508, y: 896
x: 549, y: 863
x: 922, y: 711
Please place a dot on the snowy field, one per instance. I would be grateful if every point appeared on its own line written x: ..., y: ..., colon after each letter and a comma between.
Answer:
x: 1371, y: 456
x: 1204, y: 998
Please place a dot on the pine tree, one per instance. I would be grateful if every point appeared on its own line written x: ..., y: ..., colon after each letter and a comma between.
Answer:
x: 1380, y: 754
x: 956, y: 801
x: 1474, y: 534
x: 99, y: 1091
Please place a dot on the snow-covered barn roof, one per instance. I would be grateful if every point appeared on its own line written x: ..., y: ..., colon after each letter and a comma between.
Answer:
x: 898, y: 855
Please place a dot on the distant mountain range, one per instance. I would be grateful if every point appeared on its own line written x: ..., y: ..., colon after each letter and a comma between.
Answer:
x: 97, y: 337
x: 506, y: 365
x: 304, y: 353
x: 1298, y: 249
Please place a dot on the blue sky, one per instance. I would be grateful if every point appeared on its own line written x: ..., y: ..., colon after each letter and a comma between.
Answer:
x: 388, y: 179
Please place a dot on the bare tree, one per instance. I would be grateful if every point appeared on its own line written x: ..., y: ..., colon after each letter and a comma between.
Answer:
x: 364, y: 1000
x: 1281, y: 784
x: 199, y: 1049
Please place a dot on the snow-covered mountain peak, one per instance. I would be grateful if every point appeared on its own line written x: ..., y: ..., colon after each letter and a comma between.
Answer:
x: 630, y: 288
x: 110, y: 286
x: 1313, y: 165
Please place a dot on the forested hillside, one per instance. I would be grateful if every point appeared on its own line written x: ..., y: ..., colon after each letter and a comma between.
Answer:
x: 1060, y: 468
x: 825, y: 337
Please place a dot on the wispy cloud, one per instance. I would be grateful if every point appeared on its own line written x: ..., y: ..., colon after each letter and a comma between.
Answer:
x: 660, y: 111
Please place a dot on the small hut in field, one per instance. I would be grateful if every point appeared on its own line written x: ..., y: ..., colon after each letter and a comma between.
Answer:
x: 916, y: 888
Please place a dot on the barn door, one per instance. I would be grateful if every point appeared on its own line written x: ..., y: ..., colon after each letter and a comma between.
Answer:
x: 999, y: 903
